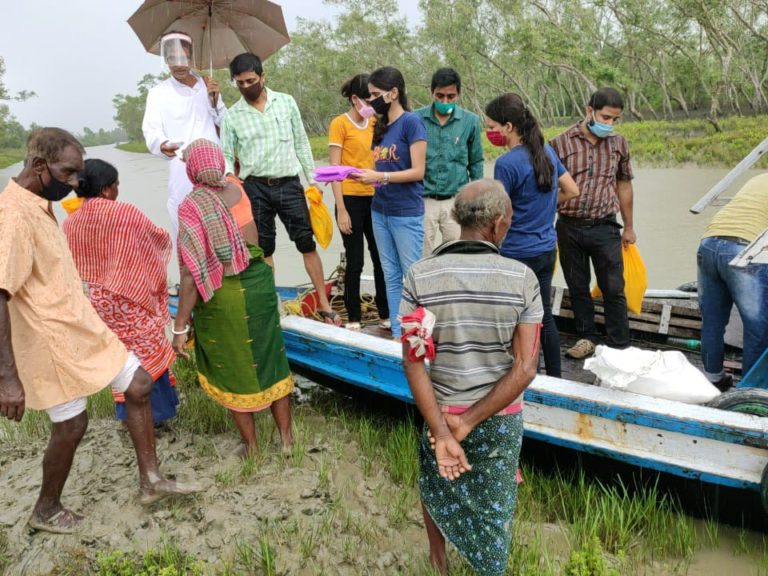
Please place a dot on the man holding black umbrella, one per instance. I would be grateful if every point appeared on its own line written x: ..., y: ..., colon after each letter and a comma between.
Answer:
x: 181, y: 109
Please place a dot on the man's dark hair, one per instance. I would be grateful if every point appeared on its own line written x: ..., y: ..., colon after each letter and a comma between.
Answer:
x: 48, y: 143
x: 606, y: 96
x: 96, y: 175
x: 245, y: 62
x: 446, y: 77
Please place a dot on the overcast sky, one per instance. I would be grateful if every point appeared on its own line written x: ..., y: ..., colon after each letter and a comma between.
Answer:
x: 77, y: 54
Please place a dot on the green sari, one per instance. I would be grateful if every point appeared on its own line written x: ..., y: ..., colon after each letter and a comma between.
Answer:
x: 239, y: 345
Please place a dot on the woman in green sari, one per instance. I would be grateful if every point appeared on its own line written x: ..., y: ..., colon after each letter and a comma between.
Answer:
x: 225, y: 280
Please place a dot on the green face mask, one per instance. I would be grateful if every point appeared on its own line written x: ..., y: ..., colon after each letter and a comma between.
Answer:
x: 444, y: 108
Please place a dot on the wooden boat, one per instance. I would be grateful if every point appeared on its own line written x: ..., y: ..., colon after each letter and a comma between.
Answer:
x: 719, y: 446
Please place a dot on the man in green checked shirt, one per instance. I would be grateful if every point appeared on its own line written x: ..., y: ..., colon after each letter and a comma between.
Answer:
x: 264, y: 132
x: 454, y: 156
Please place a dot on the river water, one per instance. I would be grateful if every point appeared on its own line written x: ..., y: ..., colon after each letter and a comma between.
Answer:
x: 668, y: 234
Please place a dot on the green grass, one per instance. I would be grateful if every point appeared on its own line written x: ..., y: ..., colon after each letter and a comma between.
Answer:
x: 319, y: 144
x: 566, y: 523
x: 139, y: 147
x: 5, y: 556
x: 166, y: 560
x: 9, y: 156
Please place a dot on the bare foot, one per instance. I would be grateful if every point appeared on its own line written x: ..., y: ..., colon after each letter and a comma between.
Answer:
x: 165, y: 488
x: 330, y: 317
x: 286, y: 445
x: 62, y: 522
x: 245, y: 451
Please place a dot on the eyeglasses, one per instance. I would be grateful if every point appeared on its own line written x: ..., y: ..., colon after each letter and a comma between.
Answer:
x: 247, y: 83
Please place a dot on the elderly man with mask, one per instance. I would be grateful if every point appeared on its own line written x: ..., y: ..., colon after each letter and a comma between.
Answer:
x: 54, y: 349
x: 486, y: 311
x: 180, y: 109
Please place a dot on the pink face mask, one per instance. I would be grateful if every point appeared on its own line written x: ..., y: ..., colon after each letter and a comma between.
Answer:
x: 496, y: 138
x: 364, y: 110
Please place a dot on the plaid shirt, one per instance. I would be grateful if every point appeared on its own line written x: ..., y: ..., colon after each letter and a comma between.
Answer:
x: 596, y: 168
x: 270, y: 144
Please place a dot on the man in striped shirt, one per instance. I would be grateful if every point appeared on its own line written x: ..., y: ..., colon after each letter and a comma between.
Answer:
x: 264, y: 133
x: 480, y: 298
x: 487, y: 312
x: 587, y: 228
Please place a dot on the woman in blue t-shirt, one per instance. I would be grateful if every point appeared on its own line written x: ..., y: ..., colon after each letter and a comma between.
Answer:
x: 536, y: 182
x: 400, y: 150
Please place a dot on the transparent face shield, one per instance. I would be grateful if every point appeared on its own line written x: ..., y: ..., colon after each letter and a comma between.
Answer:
x: 176, y: 51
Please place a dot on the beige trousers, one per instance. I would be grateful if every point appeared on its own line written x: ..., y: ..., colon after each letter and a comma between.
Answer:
x: 438, y: 220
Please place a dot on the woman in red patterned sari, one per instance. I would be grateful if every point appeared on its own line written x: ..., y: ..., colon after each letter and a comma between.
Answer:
x: 123, y: 259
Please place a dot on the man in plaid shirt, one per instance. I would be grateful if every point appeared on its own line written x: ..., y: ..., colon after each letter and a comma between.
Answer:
x: 264, y: 133
x: 587, y: 228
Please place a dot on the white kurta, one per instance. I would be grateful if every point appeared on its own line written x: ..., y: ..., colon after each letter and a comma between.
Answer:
x: 177, y: 113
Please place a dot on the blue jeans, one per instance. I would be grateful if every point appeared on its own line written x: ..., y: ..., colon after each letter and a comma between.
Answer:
x: 721, y: 286
x: 400, y: 240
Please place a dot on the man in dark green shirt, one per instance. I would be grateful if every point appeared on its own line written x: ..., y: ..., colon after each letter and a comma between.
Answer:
x: 454, y: 156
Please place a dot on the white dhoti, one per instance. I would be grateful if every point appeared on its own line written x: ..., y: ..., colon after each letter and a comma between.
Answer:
x: 178, y: 188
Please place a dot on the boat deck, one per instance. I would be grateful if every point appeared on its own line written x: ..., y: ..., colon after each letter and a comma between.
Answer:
x: 573, y: 369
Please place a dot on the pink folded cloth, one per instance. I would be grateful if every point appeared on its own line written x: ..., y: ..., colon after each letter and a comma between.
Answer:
x: 334, y: 173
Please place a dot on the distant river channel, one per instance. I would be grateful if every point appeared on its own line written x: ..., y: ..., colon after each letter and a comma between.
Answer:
x: 668, y: 234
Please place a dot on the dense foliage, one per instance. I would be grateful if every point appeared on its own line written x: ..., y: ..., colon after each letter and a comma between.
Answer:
x: 668, y: 57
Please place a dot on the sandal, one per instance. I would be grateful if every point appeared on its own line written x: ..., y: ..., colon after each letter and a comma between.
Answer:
x: 63, y: 522
x: 331, y: 315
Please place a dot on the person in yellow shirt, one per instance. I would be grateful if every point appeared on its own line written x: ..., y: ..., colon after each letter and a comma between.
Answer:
x: 721, y: 286
x: 59, y: 351
x: 349, y: 140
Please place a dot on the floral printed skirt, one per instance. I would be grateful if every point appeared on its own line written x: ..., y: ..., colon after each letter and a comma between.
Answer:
x: 475, y: 512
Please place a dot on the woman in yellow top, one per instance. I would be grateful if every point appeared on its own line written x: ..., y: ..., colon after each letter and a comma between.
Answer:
x: 349, y: 140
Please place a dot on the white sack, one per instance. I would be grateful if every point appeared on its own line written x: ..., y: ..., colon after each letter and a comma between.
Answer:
x: 666, y: 374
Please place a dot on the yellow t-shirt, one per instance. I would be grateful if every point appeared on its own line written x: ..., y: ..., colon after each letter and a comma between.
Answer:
x: 746, y: 215
x: 355, y: 143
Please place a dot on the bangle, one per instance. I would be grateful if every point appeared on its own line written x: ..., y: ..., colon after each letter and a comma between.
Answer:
x: 386, y: 178
x: 180, y: 332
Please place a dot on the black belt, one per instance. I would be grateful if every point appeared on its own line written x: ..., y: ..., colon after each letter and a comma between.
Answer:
x: 610, y: 219
x: 271, y: 181
x: 733, y: 239
x: 437, y: 197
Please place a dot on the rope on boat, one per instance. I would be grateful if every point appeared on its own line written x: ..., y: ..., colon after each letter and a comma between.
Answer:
x: 370, y: 313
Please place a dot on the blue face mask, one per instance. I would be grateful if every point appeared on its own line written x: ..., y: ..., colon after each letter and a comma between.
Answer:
x: 444, y: 108
x: 599, y: 129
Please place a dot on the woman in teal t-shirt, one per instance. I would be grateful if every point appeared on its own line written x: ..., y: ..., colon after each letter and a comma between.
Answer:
x: 400, y: 150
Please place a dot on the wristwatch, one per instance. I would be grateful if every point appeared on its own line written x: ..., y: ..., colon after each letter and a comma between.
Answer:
x: 385, y: 179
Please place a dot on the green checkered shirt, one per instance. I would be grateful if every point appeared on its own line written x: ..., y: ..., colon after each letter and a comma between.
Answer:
x: 270, y: 144
x: 454, y: 151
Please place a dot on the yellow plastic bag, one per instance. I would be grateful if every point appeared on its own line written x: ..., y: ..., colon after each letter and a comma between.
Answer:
x: 319, y: 217
x: 71, y: 205
x: 635, y: 279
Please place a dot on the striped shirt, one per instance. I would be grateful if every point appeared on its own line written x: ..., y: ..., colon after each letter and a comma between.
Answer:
x: 478, y: 297
x: 269, y: 144
x: 596, y: 168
